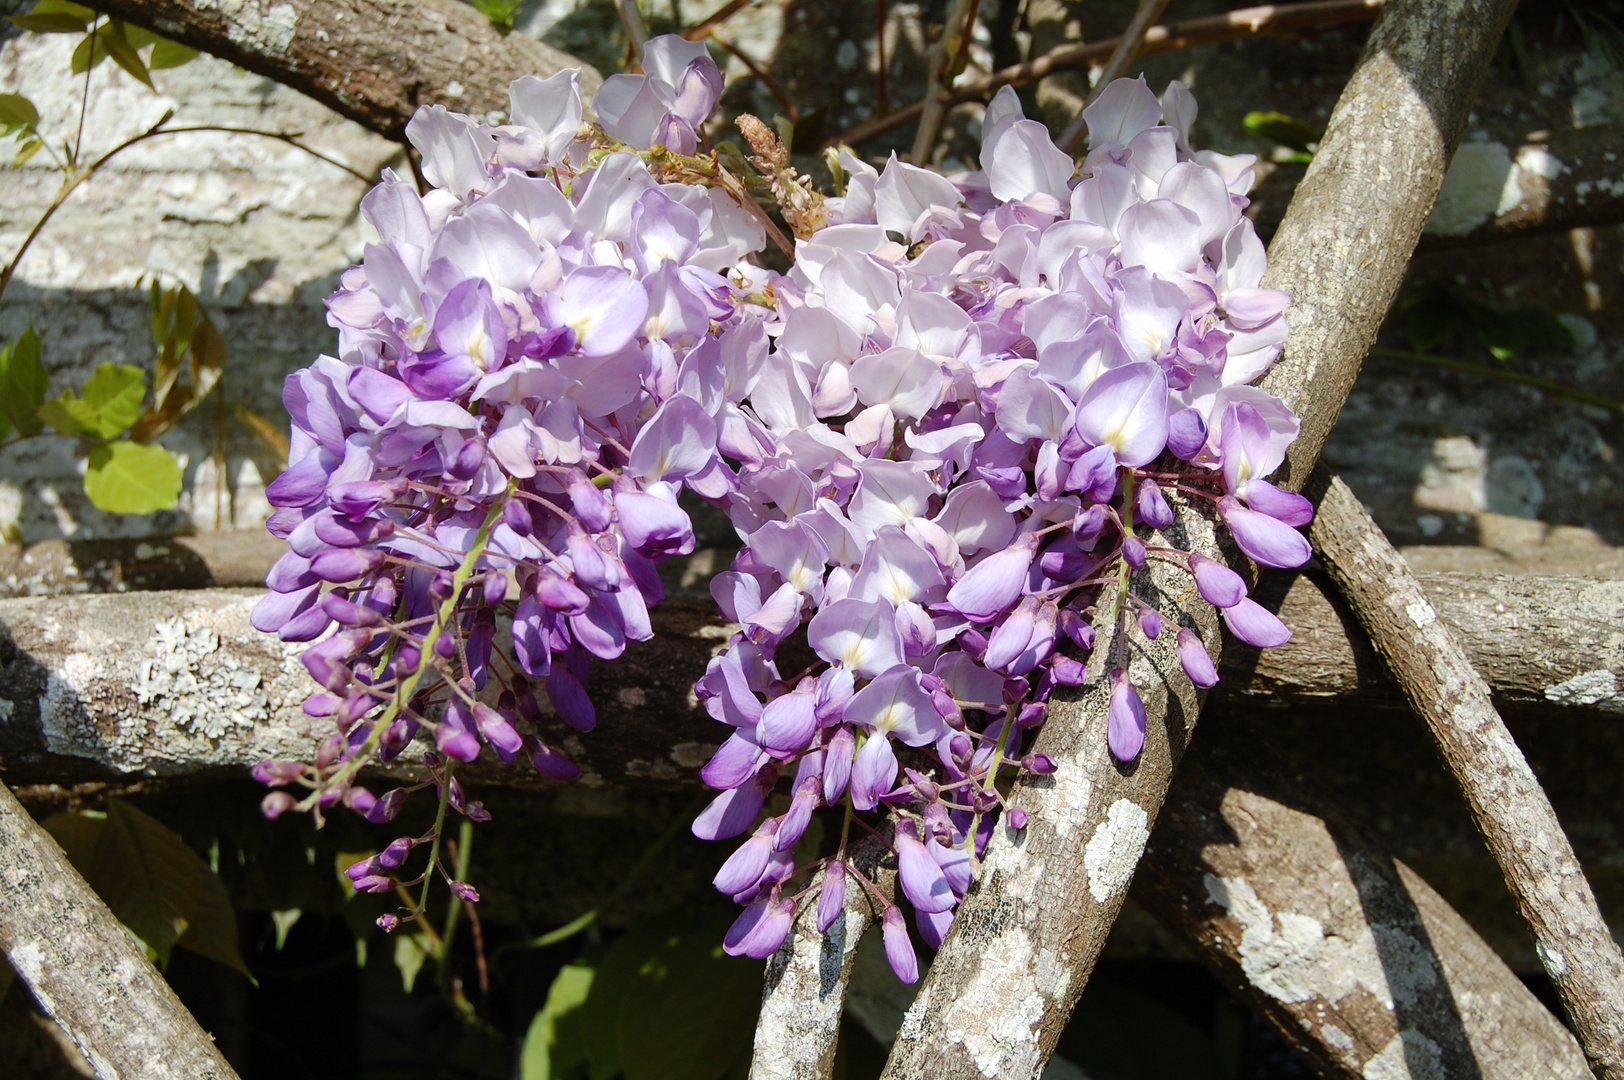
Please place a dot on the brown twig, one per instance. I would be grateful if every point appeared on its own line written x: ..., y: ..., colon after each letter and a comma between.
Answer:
x: 1315, y: 16
x: 938, y: 78
x: 1128, y: 46
x: 708, y: 25
x: 779, y: 94
x: 631, y: 17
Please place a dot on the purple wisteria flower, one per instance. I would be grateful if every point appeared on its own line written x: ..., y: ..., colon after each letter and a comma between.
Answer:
x: 501, y: 435
x: 946, y: 450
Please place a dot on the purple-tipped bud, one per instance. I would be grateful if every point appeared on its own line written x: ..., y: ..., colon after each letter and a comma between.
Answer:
x: 440, y: 587
x: 746, y: 865
x: 348, y: 613
x: 345, y: 564
x: 1195, y: 660
x: 498, y: 731
x: 466, y: 461
x: 388, y: 923
x: 1041, y: 764
x: 360, y: 800
x: 445, y: 646
x: 1133, y: 552
x: 961, y: 749
x: 1261, y: 537
x: 329, y: 750
x: 456, y: 743
x: 1066, y: 671
x: 590, y: 504
x: 277, y: 772
x: 1186, y: 433
x: 1150, y: 505
x: 920, y: 875
x: 899, y: 950
x: 761, y: 930
x: 1088, y: 524
x: 1284, y: 506
x: 832, y: 900
x: 1017, y: 819
x: 1150, y: 623
x: 387, y: 807
x: 496, y: 585
x: 1218, y: 584
x: 592, y: 568
x: 1256, y: 625
x: 569, y: 698
x: 1125, y: 729
x: 553, y: 765
x: 927, y: 789
x: 365, y: 868
x: 799, y: 815
x: 837, y: 760
x: 1077, y: 629
x: 561, y: 594
x: 277, y: 803
x: 377, y: 883
x: 464, y: 891
x: 395, y: 854
x: 517, y: 517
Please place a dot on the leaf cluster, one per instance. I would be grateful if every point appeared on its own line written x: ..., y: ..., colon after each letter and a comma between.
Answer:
x: 157, y: 886
x: 1302, y: 139
x: 1433, y: 314
x: 663, y: 1002
x: 500, y: 12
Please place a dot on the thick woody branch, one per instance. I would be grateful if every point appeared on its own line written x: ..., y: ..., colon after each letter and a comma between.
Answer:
x: 86, y: 970
x: 1354, y: 959
x: 177, y: 683
x: 1509, y: 806
x: 805, y: 986
x: 374, y: 61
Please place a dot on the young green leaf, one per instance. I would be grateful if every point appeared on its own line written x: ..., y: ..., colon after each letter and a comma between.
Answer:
x: 23, y: 382
x: 124, y: 54
x: 170, y: 54
x: 16, y: 109
x: 128, y: 478
x: 555, y: 1045
x: 147, y: 876
x: 410, y: 952
x: 25, y: 150
x: 110, y: 403
x: 54, y: 17
x: 213, y: 929
x: 91, y: 50
x: 1285, y: 130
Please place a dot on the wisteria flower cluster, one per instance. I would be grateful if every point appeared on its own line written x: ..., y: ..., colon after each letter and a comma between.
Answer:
x: 947, y: 439
x: 489, y: 445
x: 948, y: 466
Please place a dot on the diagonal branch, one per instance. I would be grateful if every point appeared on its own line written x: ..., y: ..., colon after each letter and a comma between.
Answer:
x: 1509, y: 806
x: 1128, y: 46
x: 1016, y: 960
x: 1354, y: 959
x: 374, y: 61
x: 86, y: 970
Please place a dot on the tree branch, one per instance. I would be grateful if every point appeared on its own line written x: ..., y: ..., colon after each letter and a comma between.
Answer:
x: 1510, y: 808
x: 805, y: 985
x: 374, y: 61
x: 86, y: 970
x: 1354, y: 959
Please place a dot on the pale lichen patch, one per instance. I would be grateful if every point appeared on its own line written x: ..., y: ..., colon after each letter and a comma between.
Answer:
x: 1597, y: 688
x: 1114, y: 849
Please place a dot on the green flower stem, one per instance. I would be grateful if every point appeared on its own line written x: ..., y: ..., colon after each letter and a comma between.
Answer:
x: 1550, y: 386
x: 408, y: 686
x: 1010, y: 712
x: 434, y: 852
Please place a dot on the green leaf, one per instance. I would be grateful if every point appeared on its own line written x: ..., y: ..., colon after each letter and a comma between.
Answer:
x: 284, y: 921
x: 16, y: 109
x: 213, y: 929
x: 111, y: 403
x: 147, y: 876
x: 170, y: 54
x: 77, y: 834
x: 125, y: 56
x: 23, y: 382
x: 128, y: 478
x: 668, y: 1004
x: 25, y: 150
x: 54, y: 17
x: 91, y: 51
x: 1507, y: 333
x: 139, y: 37
x: 555, y: 1046
x: 410, y: 952
x: 1285, y: 130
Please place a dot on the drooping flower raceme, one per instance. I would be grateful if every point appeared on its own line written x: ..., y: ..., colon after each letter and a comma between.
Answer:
x: 979, y: 394
x: 499, y: 439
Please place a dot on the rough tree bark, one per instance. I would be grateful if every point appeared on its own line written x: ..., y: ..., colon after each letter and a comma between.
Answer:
x: 176, y: 683
x: 85, y: 969
x: 1342, y: 285
x: 805, y: 985
x: 374, y: 61
x: 1354, y: 959
x: 1510, y: 808
x: 1009, y: 974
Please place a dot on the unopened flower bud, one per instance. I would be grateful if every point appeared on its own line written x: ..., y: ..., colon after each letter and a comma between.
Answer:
x: 277, y: 803
x: 395, y: 854
x: 378, y: 883
x: 277, y: 772
x: 832, y: 900
x: 1017, y: 819
x: 1041, y: 764
x: 899, y: 951
x: 388, y: 923
x: 464, y: 891
x: 1032, y: 714
x: 385, y: 808
x: 517, y: 517
x: 1150, y: 623
x: 1133, y: 552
